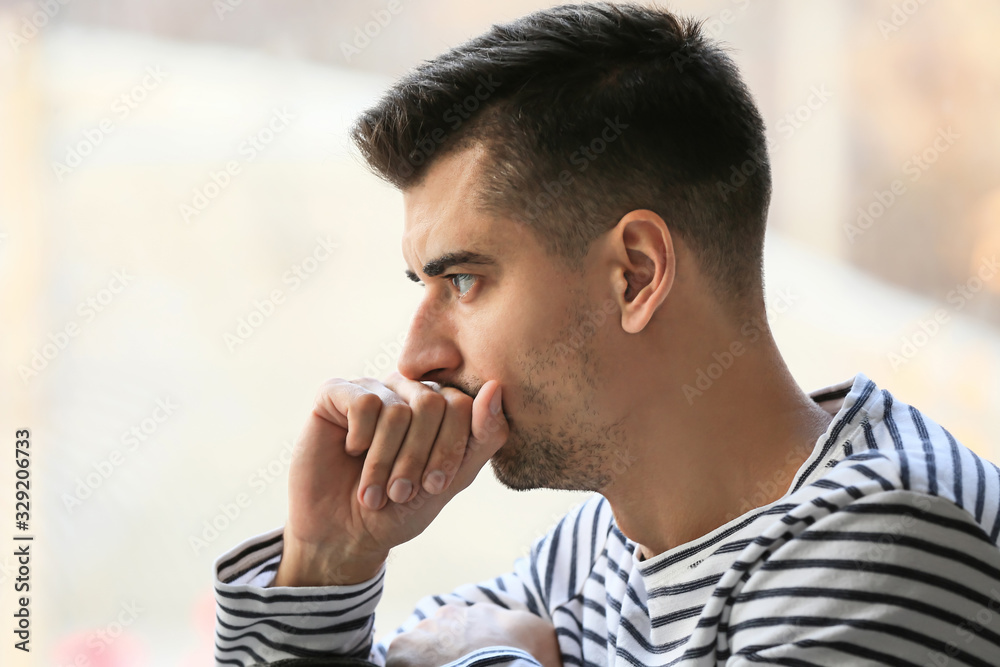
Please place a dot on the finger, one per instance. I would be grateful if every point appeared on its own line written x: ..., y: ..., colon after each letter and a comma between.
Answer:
x: 428, y: 408
x: 390, y: 429
x: 452, y: 439
x: 489, y: 433
x: 352, y: 407
x: 426, y: 427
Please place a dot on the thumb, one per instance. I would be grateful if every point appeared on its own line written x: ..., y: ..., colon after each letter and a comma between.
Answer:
x: 489, y: 433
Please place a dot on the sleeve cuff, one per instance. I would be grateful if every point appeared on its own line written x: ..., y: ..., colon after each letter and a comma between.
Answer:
x: 278, y: 622
x: 253, y: 562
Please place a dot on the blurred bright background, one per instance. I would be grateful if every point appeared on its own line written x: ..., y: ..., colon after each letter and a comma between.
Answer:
x: 168, y: 168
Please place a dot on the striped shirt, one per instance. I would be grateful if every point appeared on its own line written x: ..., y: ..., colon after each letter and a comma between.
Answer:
x: 882, y: 551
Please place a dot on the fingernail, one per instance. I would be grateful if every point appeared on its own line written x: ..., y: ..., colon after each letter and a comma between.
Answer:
x: 399, y: 490
x: 495, y: 402
x: 373, y: 496
x: 434, y: 482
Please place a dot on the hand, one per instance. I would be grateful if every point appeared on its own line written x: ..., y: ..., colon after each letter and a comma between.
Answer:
x: 362, y: 438
x: 457, y: 630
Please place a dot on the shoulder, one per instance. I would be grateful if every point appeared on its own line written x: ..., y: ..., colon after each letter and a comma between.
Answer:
x: 896, y: 574
x: 893, y: 445
x: 895, y: 526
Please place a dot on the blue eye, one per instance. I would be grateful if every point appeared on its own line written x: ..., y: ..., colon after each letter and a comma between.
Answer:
x: 461, y: 275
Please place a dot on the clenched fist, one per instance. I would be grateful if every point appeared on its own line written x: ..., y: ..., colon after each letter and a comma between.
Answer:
x: 375, y: 463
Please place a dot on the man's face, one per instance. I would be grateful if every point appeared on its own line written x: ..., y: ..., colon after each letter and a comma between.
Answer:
x: 523, y: 320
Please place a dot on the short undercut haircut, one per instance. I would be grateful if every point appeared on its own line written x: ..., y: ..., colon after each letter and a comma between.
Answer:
x: 587, y: 112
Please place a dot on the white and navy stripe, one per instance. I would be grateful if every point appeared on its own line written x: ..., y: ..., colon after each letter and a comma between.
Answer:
x: 882, y: 552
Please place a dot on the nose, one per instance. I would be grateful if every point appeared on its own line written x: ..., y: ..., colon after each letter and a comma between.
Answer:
x: 429, y: 352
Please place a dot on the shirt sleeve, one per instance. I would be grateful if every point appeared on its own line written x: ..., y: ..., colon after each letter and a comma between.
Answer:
x: 256, y: 623
x: 894, y: 578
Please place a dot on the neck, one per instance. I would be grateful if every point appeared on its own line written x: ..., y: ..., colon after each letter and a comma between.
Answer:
x: 706, y: 458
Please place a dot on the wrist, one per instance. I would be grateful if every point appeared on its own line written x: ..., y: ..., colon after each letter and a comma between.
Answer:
x: 311, y: 565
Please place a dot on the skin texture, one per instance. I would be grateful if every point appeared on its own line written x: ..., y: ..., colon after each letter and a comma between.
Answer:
x: 610, y: 415
x: 515, y: 323
x: 456, y: 630
x: 589, y: 367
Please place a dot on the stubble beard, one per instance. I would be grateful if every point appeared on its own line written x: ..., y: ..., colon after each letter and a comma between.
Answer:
x: 575, y: 454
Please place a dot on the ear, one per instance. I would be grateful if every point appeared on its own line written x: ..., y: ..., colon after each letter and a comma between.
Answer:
x: 643, y: 266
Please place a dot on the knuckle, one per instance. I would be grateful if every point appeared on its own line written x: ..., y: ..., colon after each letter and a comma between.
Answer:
x: 397, y: 415
x: 405, y: 467
x: 366, y: 382
x: 367, y: 402
x: 377, y: 470
x: 458, y: 400
x: 455, y: 448
x: 451, y: 459
x: 327, y: 386
x: 429, y: 401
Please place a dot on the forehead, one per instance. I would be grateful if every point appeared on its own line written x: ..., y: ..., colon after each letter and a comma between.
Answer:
x: 442, y: 213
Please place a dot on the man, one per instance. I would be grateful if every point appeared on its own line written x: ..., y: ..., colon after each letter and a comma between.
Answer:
x: 585, y: 255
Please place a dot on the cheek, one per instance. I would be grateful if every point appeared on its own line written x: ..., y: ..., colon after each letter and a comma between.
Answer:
x: 517, y: 343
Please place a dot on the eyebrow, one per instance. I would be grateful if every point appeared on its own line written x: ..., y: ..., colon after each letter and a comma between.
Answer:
x: 438, y: 266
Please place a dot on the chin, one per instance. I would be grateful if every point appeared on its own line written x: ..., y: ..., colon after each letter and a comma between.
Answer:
x: 509, y: 473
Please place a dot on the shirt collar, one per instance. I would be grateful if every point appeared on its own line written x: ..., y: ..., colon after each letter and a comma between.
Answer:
x: 844, y: 400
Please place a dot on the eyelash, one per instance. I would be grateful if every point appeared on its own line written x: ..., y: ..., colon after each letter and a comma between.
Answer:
x: 451, y: 276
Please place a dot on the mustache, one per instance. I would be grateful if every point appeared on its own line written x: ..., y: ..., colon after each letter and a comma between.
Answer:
x: 472, y: 393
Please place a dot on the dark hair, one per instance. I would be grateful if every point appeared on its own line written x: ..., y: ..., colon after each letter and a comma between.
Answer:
x: 587, y: 112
